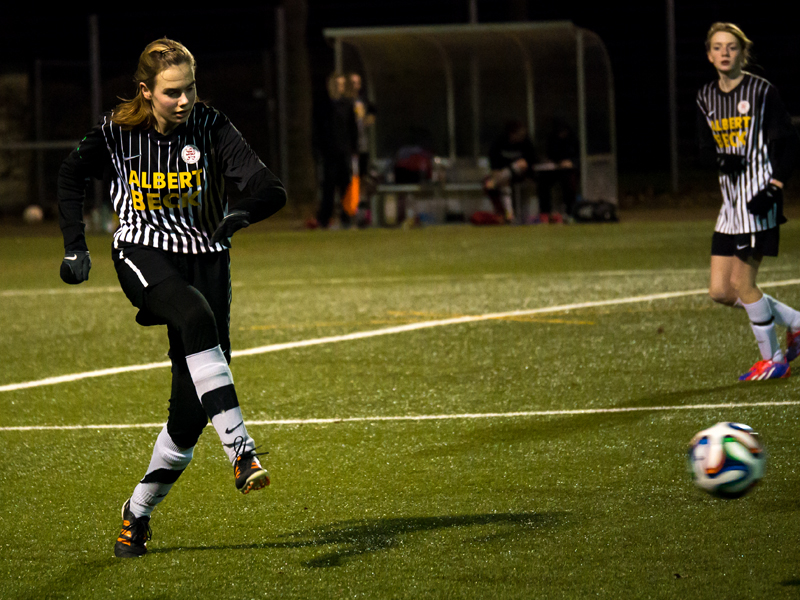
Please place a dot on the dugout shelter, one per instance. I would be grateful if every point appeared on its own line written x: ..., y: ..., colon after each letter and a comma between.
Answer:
x: 451, y: 89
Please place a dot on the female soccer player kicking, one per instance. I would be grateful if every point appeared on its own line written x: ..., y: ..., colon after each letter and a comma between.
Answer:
x: 171, y: 158
x: 743, y: 118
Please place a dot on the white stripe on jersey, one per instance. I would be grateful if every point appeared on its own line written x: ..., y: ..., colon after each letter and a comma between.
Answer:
x: 737, y: 123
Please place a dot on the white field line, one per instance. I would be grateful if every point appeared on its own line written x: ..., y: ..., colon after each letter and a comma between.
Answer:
x: 67, y: 290
x: 507, y: 415
x: 360, y: 335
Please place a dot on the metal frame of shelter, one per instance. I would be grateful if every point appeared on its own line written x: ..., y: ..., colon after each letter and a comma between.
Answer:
x: 459, y: 84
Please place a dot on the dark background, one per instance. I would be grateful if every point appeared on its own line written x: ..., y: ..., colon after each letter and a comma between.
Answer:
x: 234, y: 46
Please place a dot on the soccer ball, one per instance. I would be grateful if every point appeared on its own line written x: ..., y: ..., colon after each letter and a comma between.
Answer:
x: 33, y: 214
x: 726, y: 460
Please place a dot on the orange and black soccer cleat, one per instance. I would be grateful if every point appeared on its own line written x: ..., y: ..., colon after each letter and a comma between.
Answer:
x: 132, y: 540
x: 247, y: 470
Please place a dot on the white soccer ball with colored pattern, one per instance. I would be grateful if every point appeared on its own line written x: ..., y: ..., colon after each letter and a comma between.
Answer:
x: 727, y: 460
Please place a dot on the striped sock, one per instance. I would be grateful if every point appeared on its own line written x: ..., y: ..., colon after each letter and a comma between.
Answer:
x: 214, y: 383
x: 166, y: 465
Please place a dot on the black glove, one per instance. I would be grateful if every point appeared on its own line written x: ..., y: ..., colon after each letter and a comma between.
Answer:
x: 731, y: 164
x: 233, y: 222
x: 765, y: 200
x: 75, y: 266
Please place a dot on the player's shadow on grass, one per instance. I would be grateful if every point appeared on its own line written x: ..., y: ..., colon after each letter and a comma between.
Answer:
x: 354, y: 538
x: 678, y: 398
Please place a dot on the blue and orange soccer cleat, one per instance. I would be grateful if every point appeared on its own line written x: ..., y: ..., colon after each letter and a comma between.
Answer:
x: 767, y: 369
x: 792, y: 345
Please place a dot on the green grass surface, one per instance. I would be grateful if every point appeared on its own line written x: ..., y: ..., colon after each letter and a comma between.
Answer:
x: 555, y: 505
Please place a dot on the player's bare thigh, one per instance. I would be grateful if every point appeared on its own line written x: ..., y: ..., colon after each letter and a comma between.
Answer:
x: 733, y: 278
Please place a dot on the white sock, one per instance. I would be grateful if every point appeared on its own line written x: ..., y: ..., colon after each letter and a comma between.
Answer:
x: 214, y: 383
x: 508, y: 207
x: 784, y: 315
x: 166, y: 465
x: 762, y: 323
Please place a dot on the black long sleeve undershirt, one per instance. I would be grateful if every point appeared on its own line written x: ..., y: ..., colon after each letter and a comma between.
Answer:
x: 262, y: 196
x: 784, y: 154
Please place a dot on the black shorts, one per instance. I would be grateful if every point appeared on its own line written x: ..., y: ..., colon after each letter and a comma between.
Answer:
x: 140, y: 268
x: 745, y: 245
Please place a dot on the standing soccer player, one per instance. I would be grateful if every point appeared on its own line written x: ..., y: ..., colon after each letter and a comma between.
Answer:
x: 171, y: 159
x: 742, y: 117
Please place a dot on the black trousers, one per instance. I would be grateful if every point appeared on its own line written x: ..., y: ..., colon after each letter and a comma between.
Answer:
x: 564, y: 179
x: 336, y: 173
x: 191, y: 295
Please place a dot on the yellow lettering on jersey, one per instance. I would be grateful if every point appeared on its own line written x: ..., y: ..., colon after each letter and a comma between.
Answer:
x: 159, y: 181
x: 725, y: 125
x: 172, y: 180
x: 186, y: 179
x: 137, y: 199
x: 726, y: 140
x: 133, y: 178
x: 718, y: 139
x: 153, y: 201
x: 145, y: 182
x: 198, y: 173
x: 746, y: 122
x: 737, y: 122
x: 192, y: 198
x: 169, y: 201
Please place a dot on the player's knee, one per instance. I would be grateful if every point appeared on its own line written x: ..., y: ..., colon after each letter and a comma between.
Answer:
x: 199, y: 315
x: 722, y: 295
x: 198, y: 327
x: 188, y: 433
x: 745, y: 290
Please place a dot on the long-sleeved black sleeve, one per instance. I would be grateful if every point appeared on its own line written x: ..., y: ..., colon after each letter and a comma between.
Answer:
x: 263, y: 196
x: 260, y: 192
x: 87, y: 161
x: 705, y: 141
x: 783, y: 142
x: 784, y: 154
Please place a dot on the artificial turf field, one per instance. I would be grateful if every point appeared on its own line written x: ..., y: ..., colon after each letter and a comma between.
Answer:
x: 522, y: 453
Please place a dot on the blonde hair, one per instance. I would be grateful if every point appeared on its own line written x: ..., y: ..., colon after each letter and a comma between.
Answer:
x: 333, y: 85
x: 156, y: 57
x: 736, y: 32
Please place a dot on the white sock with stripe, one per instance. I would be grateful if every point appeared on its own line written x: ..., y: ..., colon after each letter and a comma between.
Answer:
x: 214, y: 384
x: 762, y: 323
x: 166, y: 465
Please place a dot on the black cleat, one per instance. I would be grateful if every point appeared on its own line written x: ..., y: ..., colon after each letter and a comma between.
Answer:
x: 247, y: 471
x: 132, y: 540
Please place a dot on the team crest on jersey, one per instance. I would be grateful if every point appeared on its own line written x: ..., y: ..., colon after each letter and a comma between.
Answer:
x: 743, y: 107
x: 191, y: 154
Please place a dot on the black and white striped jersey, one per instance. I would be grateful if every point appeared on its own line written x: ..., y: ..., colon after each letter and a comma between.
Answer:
x: 743, y: 122
x: 168, y: 191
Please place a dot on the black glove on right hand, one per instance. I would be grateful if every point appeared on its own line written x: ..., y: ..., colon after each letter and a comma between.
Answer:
x: 765, y: 200
x: 731, y: 164
x: 75, y: 266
